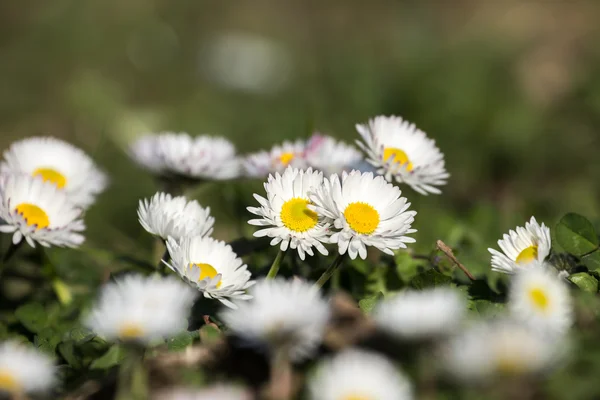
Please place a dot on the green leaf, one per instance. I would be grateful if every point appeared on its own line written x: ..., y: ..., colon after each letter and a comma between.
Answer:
x: 430, y: 278
x: 181, y: 341
x: 592, y: 261
x: 585, y: 282
x: 368, y: 303
x: 111, y: 358
x: 47, y: 340
x: 33, y: 316
x: 67, y: 351
x: 80, y: 335
x: 487, y: 308
x: 406, y: 266
x: 576, y: 234
x: 210, y: 334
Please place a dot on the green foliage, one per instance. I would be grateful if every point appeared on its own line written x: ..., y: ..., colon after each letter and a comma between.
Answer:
x: 113, y: 357
x: 181, y: 341
x: 367, y: 304
x: 430, y: 278
x: 576, y: 235
x: 585, y: 282
x: 33, y: 316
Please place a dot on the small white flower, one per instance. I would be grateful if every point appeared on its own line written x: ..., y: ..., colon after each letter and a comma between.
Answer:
x: 141, y: 309
x: 164, y: 215
x: 399, y: 150
x: 212, y: 267
x: 58, y: 162
x: 180, y: 155
x: 326, y: 154
x: 521, y: 247
x: 422, y: 314
x: 367, y: 210
x: 263, y: 163
x: 282, y: 314
x: 285, y: 215
x: 38, y: 211
x: 214, y: 392
x: 540, y: 298
x: 357, y: 375
x: 24, y: 370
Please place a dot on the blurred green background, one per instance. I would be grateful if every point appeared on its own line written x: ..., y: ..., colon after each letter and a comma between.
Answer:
x: 509, y: 89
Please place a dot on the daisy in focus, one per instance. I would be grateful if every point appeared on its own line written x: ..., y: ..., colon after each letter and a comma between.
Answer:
x: 166, y: 216
x: 24, y: 370
x: 367, y: 211
x: 285, y: 215
x: 401, y: 151
x: 356, y: 374
x: 330, y: 156
x: 281, y: 156
x: 210, y: 266
x: 60, y: 163
x: 521, y: 247
x: 38, y: 211
x: 282, y: 314
x: 540, y: 298
x: 424, y: 314
x: 141, y: 309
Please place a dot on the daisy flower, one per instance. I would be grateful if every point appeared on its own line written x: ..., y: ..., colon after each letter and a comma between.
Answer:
x: 38, y: 211
x: 282, y: 314
x: 166, y: 216
x: 180, y: 155
x: 422, y: 314
x: 325, y: 154
x: 357, y: 374
x: 24, y: 370
x: 281, y: 156
x: 399, y: 150
x: 522, y: 247
x: 285, y: 215
x: 367, y: 211
x: 211, y: 266
x: 141, y: 309
x: 539, y: 297
x: 57, y: 162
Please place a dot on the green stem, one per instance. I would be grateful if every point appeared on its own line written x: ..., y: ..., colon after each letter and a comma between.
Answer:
x: 275, y: 266
x: 161, y: 253
x: 133, y: 379
x: 61, y: 289
x: 330, y: 270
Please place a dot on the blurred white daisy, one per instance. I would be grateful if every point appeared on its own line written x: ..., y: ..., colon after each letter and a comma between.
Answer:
x: 38, y: 211
x: 24, y: 370
x: 326, y: 154
x: 214, y: 392
x: 522, y: 247
x: 181, y: 155
x: 540, y: 298
x: 357, y: 375
x: 399, y: 150
x: 424, y: 314
x: 164, y: 215
x: 212, y: 267
x: 285, y: 216
x: 367, y: 210
x: 58, y: 162
x: 141, y: 309
x: 281, y: 156
x: 282, y: 314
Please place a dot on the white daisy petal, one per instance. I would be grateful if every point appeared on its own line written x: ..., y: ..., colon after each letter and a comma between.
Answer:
x: 24, y: 370
x: 263, y: 163
x: 325, y: 154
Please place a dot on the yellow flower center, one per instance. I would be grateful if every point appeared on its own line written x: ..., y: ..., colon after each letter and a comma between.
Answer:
x: 528, y: 255
x: 296, y: 216
x: 130, y: 331
x: 286, y: 158
x: 8, y: 382
x: 510, y: 364
x: 33, y: 215
x: 355, y: 397
x: 362, y: 217
x: 539, y: 298
x: 51, y: 175
x: 206, y: 271
x: 397, y: 156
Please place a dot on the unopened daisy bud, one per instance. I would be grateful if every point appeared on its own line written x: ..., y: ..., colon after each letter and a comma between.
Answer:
x: 38, y: 211
x: 325, y: 154
x: 521, y: 247
x: 355, y: 374
x: 422, y: 315
x: 263, y: 163
x: 540, y: 298
x: 285, y: 215
x: 141, y: 309
x: 24, y: 370
x: 401, y: 151
x: 212, y: 267
x: 57, y: 162
x: 282, y: 314
x: 367, y: 211
x: 166, y: 216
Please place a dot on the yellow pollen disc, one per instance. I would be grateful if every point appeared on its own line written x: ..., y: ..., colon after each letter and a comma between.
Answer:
x: 539, y: 298
x: 33, y: 215
x: 206, y: 271
x: 356, y: 397
x: 398, y: 156
x: 510, y: 365
x: 130, y: 330
x: 362, y: 217
x: 296, y: 216
x: 528, y: 255
x: 8, y: 383
x: 51, y: 175
x: 286, y: 158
